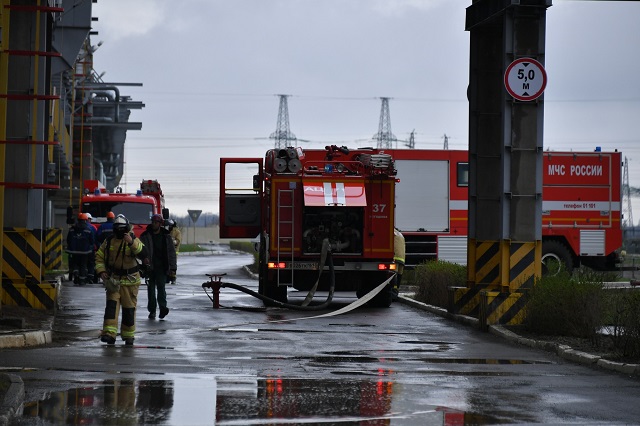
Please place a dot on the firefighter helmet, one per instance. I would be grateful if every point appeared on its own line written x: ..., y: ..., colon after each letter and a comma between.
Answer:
x: 82, y: 216
x: 110, y: 215
x: 121, y: 223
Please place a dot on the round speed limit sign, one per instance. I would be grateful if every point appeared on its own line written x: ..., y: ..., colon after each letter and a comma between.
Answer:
x: 525, y: 79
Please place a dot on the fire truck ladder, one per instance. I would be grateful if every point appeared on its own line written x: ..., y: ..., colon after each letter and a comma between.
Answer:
x: 286, y: 228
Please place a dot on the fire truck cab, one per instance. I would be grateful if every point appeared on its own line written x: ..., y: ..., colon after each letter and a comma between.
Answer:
x: 137, y: 208
x: 302, y: 203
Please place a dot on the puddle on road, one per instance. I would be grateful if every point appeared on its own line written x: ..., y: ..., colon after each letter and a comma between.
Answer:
x: 236, y: 400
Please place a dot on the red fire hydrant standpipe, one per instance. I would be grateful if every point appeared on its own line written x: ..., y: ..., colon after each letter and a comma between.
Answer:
x: 214, y: 283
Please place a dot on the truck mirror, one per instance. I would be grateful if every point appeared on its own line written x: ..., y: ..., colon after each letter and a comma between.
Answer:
x: 165, y: 213
x: 256, y: 183
x: 70, y: 220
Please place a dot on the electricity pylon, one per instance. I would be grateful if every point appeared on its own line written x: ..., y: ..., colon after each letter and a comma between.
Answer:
x: 282, y: 136
x: 411, y: 143
x: 384, y: 138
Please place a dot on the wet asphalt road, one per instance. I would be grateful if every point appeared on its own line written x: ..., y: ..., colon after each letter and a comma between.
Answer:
x: 243, y: 364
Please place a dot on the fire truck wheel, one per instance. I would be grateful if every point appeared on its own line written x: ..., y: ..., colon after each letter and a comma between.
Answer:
x: 382, y: 299
x: 555, y: 257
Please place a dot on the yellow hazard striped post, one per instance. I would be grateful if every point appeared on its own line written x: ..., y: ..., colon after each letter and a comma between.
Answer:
x: 52, y: 249
x: 500, y: 273
x: 502, y: 308
x: 37, y: 296
x: 22, y: 255
x: 23, y: 282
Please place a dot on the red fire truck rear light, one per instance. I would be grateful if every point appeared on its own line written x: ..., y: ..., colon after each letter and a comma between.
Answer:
x: 386, y: 267
x: 274, y: 265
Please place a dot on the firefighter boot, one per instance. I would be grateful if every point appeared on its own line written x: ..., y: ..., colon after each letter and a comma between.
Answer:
x: 396, y: 287
x: 109, y: 340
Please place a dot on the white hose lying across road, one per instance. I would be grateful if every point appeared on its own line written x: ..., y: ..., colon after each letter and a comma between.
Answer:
x: 351, y: 306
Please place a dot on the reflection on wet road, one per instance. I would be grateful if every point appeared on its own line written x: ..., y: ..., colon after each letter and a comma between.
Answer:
x: 236, y: 401
x: 128, y: 401
x: 245, y: 364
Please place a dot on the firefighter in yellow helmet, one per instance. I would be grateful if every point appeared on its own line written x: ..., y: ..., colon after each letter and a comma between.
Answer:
x: 398, y: 257
x: 117, y: 266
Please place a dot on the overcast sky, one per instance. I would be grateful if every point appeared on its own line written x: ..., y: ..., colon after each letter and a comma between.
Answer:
x: 212, y: 69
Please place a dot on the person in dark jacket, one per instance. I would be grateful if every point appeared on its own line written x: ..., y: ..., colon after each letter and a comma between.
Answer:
x: 161, y: 264
x: 80, y: 246
x: 91, y: 267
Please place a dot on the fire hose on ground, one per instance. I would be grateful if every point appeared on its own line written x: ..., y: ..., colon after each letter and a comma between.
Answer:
x: 215, y: 284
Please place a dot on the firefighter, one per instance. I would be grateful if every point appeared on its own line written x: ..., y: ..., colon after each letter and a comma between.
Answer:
x: 117, y: 266
x: 106, y: 228
x: 92, y: 277
x: 176, y: 235
x: 398, y: 257
x: 80, y: 244
x: 161, y: 258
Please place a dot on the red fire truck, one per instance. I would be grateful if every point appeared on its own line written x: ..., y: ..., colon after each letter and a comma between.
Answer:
x: 296, y: 201
x: 581, y: 202
x: 137, y: 208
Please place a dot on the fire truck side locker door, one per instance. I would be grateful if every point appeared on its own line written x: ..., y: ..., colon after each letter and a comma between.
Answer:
x: 422, y: 195
x: 240, y: 197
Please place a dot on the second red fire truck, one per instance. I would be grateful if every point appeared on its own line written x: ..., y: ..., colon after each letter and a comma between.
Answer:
x: 137, y: 207
x: 581, y: 206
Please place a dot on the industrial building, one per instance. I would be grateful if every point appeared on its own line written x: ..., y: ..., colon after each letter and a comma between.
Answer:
x: 60, y: 124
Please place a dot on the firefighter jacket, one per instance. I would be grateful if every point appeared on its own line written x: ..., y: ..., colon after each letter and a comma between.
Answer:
x: 118, y: 259
x: 80, y: 239
x: 169, y: 258
x: 177, y: 238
